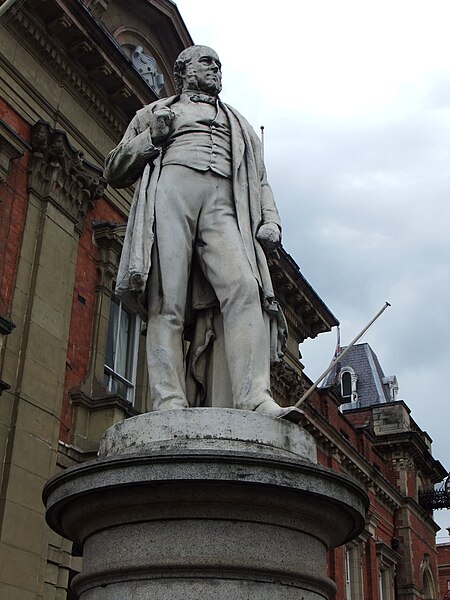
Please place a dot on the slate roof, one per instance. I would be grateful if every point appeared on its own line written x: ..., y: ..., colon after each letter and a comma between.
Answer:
x: 370, y: 387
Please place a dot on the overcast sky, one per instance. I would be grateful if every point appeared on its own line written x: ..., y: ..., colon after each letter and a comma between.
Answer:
x: 355, y: 100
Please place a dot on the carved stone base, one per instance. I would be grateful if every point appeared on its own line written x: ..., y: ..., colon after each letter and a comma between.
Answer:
x: 205, y: 504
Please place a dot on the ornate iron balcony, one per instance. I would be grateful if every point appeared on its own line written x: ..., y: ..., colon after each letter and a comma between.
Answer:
x: 436, y: 498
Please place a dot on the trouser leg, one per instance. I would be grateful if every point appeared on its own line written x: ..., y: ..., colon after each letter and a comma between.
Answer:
x: 176, y: 214
x: 198, y: 207
x: 225, y: 264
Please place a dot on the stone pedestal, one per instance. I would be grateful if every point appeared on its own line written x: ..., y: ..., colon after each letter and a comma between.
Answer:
x: 203, y: 504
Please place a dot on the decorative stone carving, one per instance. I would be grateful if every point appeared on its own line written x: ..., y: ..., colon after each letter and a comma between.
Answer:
x: 97, y: 7
x: 58, y: 173
x: 147, y: 66
x: 287, y: 384
x: 109, y: 239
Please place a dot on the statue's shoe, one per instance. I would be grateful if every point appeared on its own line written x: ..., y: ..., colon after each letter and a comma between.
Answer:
x: 173, y: 404
x: 291, y: 413
x: 270, y: 407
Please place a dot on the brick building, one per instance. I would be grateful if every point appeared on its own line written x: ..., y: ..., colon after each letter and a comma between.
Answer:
x: 444, y: 570
x: 385, y: 445
x: 72, y: 75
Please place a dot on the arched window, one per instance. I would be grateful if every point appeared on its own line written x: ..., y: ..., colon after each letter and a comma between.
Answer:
x: 346, y: 385
x: 429, y: 588
x: 348, y: 381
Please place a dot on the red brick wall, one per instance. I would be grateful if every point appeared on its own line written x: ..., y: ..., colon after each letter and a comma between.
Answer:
x: 360, y: 418
x: 82, y: 318
x: 336, y: 571
x: 13, y: 207
x: 444, y: 568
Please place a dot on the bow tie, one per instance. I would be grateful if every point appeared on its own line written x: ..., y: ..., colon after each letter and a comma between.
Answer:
x: 203, y: 98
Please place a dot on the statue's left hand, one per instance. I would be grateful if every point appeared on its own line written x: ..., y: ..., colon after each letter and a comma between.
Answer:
x: 269, y: 235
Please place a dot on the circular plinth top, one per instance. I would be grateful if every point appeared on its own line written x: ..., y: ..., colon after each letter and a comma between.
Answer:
x: 206, y: 464
x: 223, y: 429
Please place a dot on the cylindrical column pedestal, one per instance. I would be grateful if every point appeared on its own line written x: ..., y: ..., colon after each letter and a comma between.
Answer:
x: 203, y: 504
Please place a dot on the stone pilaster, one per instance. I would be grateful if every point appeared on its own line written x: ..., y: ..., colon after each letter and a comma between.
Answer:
x: 61, y: 188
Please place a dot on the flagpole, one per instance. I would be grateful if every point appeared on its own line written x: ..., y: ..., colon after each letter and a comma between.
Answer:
x: 341, y: 355
x: 262, y: 140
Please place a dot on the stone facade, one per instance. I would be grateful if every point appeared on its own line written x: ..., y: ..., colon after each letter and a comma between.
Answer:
x: 68, y: 91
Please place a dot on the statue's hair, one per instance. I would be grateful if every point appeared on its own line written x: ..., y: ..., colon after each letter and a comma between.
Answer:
x: 179, y: 68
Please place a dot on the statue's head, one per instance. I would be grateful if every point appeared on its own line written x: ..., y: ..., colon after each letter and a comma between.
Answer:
x: 198, y: 68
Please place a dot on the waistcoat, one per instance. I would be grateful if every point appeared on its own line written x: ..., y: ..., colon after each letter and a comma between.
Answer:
x: 200, y: 137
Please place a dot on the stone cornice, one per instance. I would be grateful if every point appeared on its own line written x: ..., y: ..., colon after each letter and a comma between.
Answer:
x: 58, y: 174
x: 11, y: 147
x: 168, y: 8
x: 100, y: 403
x: 386, y: 554
x: 410, y: 452
x: 83, y: 84
x: 76, y: 47
x: 305, y: 312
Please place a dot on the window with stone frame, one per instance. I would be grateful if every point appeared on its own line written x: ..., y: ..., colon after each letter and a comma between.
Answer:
x: 387, y: 562
x: 353, y: 576
x: 117, y: 380
x: 385, y: 583
x: 121, y: 351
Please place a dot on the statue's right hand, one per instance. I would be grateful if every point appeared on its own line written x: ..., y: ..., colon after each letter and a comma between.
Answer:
x: 160, y: 123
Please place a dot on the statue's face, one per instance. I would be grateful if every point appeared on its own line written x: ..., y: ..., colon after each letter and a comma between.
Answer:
x: 203, y: 72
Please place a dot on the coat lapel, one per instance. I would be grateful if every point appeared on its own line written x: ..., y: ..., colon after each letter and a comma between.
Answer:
x: 237, y: 140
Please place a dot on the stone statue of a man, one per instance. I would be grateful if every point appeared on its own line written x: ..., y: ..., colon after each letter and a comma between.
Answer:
x: 193, y: 262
